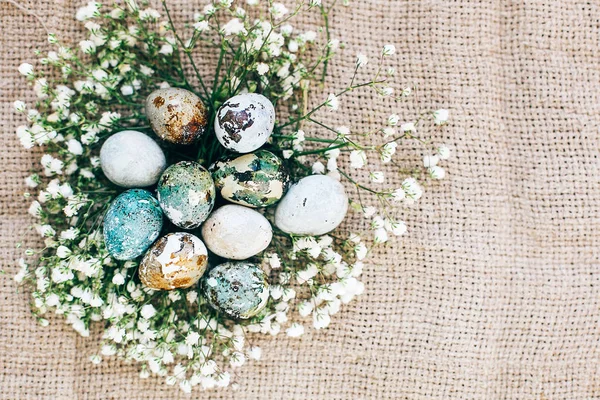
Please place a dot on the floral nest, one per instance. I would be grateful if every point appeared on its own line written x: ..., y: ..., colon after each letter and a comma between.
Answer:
x: 129, y: 183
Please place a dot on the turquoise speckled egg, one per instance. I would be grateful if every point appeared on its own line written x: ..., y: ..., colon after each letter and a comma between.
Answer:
x: 238, y: 289
x: 131, y: 224
x: 257, y: 179
x: 186, y: 193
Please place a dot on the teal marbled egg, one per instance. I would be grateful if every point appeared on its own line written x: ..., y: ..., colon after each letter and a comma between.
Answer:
x: 256, y: 179
x: 238, y: 289
x: 131, y: 224
x: 186, y: 193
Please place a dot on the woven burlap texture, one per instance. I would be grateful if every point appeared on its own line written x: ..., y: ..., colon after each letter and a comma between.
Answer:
x: 493, y: 294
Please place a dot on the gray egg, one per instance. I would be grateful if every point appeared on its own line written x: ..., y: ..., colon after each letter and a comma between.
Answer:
x: 315, y: 205
x: 245, y: 122
x: 177, y: 115
x: 131, y: 159
x: 238, y: 289
x: 236, y: 232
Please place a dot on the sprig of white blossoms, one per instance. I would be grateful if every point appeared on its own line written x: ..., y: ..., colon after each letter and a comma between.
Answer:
x: 128, y: 52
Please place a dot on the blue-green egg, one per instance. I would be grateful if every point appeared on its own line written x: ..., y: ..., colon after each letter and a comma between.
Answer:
x: 131, y: 224
x: 238, y: 289
x: 186, y: 193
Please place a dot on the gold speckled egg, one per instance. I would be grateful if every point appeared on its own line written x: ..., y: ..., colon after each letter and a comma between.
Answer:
x: 175, y: 261
x: 176, y: 115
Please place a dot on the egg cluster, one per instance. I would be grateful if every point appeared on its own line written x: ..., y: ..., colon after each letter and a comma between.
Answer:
x: 248, y: 176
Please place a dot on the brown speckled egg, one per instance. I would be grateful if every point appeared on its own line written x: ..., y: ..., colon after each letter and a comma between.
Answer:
x: 176, y: 260
x: 176, y: 115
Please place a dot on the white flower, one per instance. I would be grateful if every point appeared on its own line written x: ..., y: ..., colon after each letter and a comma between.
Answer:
x: 88, y: 11
x: 361, y: 251
x: 148, y: 311
x: 314, y: 3
x: 127, y: 90
x: 26, y: 69
x: 358, y: 159
x: 254, y: 353
x: 31, y: 181
x: 308, y: 273
x: 440, y: 117
x: 361, y: 60
x: 35, y: 209
x: 99, y: 75
x: 278, y: 10
x: 274, y: 261
x: 87, y: 46
x: 295, y: 330
x: 287, y: 154
x: 233, y: 27
x: 318, y: 168
x: 208, y: 368
x: 369, y: 211
x: 237, y: 359
x: 286, y: 30
x: 332, y: 102
x: 387, y: 91
x: 412, y: 189
x: 321, y: 319
x: 380, y: 235
x: 430, y: 161
x: 74, y: 147
x: 45, y: 230
x: 166, y: 49
x: 398, y: 228
x: 377, y: 176
x: 387, y: 151
x: 19, y: 106
x: 437, y: 172
x: 95, y: 359
x: 191, y: 296
x: 63, y: 252
x: 443, y: 152
x: 192, y: 338
x: 388, y: 50
x: 262, y: 68
x: 118, y: 279
x: 149, y: 14
x: 408, y: 127
x: 398, y: 195
x: 393, y: 120
x: 276, y: 291
x: 252, y: 2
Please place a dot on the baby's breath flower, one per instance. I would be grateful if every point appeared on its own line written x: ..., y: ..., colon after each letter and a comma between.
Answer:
x: 440, y: 117
x: 388, y: 50
x: 332, y: 102
x: 26, y: 69
x: 361, y: 60
x: 19, y: 106
x: 443, y: 152
x: 295, y: 330
x: 436, y: 172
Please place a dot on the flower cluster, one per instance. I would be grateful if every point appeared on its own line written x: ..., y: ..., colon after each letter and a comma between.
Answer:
x: 87, y: 93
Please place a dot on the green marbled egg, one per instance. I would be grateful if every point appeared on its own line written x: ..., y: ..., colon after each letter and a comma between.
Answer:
x: 256, y: 179
x: 238, y: 289
x: 186, y: 194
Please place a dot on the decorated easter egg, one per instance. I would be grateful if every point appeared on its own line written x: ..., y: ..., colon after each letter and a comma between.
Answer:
x: 132, y: 159
x: 238, y: 289
x: 186, y: 193
x: 176, y: 260
x: 315, y: 205
x: 236, y: 232
x: 131, y: 224
x: 176, y: 115
x: 245, y: 122
x: 257, y: 179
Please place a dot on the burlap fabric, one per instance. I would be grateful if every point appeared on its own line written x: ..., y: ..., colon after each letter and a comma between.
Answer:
x: 492, y: 295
